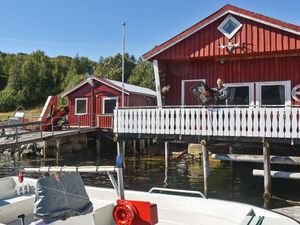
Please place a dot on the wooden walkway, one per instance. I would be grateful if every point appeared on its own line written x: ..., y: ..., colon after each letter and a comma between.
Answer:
x: 31, y: 137
x: 292, y: 211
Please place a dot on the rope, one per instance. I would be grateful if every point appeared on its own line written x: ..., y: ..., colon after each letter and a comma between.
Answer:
x: 291, y: 202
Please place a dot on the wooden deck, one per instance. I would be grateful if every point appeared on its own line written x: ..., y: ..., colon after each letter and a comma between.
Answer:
x: 245, y: 122
x: 292, y: 211
x: 30, y: 137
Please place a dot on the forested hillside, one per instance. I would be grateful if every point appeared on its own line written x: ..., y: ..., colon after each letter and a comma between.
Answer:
x: 27, y: 79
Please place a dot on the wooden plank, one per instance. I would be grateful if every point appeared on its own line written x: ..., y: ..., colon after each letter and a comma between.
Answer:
x: 250, y: 122
x: 255, y: 122
x: 187, y: 121
x: 220, y: 122
x: 278, y: 174
x: 178, y: 119
x: 157, y: 114
x: 198, y: 122
x: 139, y: 127
x: 148, y: 115
x: 172, y: 121
x: 215, y: 122
x: 226, y: 124
x: 153, y: 119
x: 232, y: 122
x: 268, y: 122
x: 167, y: 121
x: 135, y: 121
x: 274, y: 123
x: 287, y: 133
x: 294, y: 122
x: 193, y: 121
x: 203, y: 121
x: 290, y: 160
x: 238, y: 122
x: 244, y: 122
x: 281, y: 123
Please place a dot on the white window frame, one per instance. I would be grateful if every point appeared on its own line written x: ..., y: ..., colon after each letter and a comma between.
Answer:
x: 183, y: 88
x: 86, y: 106
x: 287, y: 90
x: 230, y: 17
x: 244, y: 84
x: 109, y: 98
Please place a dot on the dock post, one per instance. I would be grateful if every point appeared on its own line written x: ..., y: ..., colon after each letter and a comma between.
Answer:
x: 98, y: 145
x: 267, y: 173
x: 205, y: 161
x: 45, y: 149
x: 120, y: 168
x: 58, y: 149
x: 167, y: 146
x: 134, y: 147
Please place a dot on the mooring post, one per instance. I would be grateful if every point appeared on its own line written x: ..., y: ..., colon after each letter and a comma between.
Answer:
x: 205, y: 161
x: 267, y: 173
x: 98, y: 145
x: 58, y: 148
x: 45, y: 149
x: 167, y: 146
x: 134, y: 147
x: 120, y: 166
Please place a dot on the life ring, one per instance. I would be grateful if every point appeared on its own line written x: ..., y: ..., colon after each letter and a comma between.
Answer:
x: 296, y: 93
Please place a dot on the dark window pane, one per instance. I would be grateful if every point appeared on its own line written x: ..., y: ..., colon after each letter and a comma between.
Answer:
x: 81, y: 106
x: 238, y: 96
x: 109, y: 105
x: 273, y: 95
x: 229, y: 26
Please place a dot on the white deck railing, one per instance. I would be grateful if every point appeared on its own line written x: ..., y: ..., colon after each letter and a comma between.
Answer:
x: 261, y: 122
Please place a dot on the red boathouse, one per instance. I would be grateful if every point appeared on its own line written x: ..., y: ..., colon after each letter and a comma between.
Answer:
x: 257, y: 56
x: 93, y: 101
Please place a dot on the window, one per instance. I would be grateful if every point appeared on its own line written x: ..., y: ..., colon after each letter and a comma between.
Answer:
x: 109, y: 104
x: 80, y: 106
x: 240, y: 93
x: 229, y: 26
x: 273, y: 93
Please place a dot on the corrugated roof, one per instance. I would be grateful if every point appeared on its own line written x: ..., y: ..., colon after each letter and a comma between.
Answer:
x: 132, y: 88
x: 128, y: 88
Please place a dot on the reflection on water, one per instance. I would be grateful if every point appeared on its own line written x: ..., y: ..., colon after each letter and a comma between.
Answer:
x: 234, y: 183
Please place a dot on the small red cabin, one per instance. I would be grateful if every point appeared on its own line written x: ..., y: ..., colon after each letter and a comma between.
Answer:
x: 92, y: 101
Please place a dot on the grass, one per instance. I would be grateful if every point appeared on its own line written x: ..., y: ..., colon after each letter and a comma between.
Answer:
x: 29, y: 113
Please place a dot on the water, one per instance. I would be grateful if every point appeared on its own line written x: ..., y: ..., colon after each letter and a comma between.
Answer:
x: 234, y: 183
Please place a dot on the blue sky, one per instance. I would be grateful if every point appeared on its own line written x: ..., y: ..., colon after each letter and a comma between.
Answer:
x: 92, y: 28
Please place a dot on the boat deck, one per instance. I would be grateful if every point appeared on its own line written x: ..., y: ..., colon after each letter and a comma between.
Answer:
x: 291, y: 211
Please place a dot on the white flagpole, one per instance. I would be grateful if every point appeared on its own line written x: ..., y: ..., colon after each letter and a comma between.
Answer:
x: 123, y: 62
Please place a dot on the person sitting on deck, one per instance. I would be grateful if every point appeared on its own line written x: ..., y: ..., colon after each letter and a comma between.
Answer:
x: 222, y: 93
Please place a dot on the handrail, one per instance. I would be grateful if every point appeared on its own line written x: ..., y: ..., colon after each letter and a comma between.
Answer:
x: 207, y: 106
x: 176, y: 191
x: 79, y: 169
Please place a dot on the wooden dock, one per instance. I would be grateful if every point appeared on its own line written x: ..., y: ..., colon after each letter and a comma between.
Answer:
x: 292, y: 211
x: 31, y: 137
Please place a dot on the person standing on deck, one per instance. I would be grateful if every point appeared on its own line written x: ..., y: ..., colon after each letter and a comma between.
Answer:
x: 222, y: 93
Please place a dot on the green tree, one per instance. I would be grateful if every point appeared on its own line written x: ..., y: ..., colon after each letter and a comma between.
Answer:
x: 142, y: 75
x: 111, y: 67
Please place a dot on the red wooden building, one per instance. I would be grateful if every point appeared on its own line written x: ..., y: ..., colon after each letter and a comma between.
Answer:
x: 259, y: 57
x: 93, y: 100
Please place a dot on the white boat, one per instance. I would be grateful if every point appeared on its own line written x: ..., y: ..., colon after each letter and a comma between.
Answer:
x: 18, y: 201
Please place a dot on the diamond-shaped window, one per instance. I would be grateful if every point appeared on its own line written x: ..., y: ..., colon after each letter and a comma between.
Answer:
x: 229, y: 26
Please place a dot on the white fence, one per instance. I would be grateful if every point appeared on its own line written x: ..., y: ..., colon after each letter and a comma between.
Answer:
x: 272, y: 122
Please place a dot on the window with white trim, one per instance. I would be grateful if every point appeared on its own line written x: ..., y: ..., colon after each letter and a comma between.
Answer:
x: 80, y: 106
x: 109, y: 104
x: 240, y: 93
x: 229, y: 26
x: 273, y: 93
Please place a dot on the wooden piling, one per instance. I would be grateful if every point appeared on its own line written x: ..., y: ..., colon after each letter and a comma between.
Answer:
x: 267, y: 173
x: 205, y: 161
x: 45, y: 149
x: 167, y: 146
x: 98, y: 145
x: 134, y: 147
x: 58, y: 149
